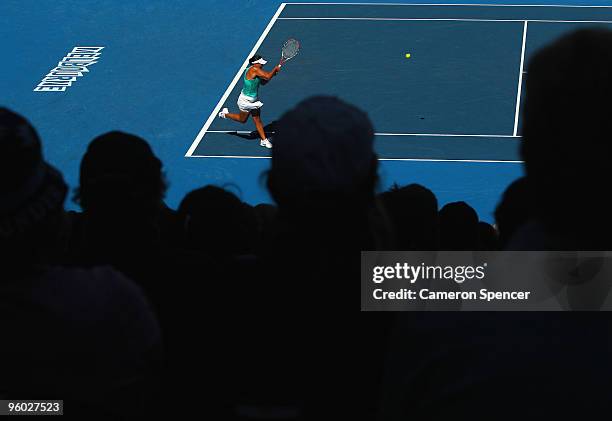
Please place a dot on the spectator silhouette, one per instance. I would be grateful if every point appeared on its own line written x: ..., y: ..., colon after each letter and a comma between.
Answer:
x: 126, y: 224
x: 121, y: 183
x: 413, y: 211
x: 85, y: 336
x: 121, y: 193
x: 487, y: 237
x: 458, y: 227
x: 510, y: 363
x: 323, y: 176
x: 513, y: 211
x: 216, y: 222
x: 566, y: 146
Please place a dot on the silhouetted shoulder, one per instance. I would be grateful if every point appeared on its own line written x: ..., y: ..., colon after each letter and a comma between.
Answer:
x: 100, y: 295
x: 78, y: 318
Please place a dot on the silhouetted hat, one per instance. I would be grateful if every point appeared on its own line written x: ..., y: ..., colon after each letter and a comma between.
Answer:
x: 323, y: 145
x: 30, y: 188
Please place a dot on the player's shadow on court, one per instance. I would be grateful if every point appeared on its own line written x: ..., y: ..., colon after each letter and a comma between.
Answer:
x: 270, y: 130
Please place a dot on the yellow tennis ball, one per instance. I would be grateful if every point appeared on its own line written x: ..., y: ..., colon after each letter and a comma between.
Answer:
x: 408, y: 55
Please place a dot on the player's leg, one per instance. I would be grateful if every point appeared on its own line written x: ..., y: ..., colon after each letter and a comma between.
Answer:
x: 258, y: 124
x: 260, y: 129
x: 242, y: 117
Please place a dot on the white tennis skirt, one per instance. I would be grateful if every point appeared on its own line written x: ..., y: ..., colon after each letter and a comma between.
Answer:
x: 247, y: 103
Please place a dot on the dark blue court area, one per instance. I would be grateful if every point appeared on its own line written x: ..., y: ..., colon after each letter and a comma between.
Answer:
x: 457, y: 98
x: 448, y: 117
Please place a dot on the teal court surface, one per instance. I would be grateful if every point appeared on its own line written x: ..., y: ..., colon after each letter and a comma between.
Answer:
x: 448, y: 117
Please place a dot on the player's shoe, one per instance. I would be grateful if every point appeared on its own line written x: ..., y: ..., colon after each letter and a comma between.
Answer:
x: 265, y: 143
x: 223, y: 112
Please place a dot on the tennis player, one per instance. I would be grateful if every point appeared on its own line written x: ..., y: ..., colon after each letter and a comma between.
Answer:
x: 254, y: 75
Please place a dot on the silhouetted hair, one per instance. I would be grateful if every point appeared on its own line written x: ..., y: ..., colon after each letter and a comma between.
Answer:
x: 32, y: 192
x: 458, y: 227
x: 413, y: 211
x: 216, y: 221
x: 120, y: 170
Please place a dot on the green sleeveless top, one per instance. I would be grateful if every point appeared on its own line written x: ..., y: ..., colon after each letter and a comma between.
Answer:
x: 250, y: 86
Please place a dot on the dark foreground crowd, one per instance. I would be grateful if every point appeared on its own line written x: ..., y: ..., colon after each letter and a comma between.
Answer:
x: 224, y: 311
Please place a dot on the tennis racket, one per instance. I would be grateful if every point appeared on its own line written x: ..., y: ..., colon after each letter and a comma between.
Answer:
x: 289, y: 50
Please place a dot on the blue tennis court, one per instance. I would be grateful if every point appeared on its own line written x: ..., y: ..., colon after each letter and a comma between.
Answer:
x: 448, y: 117
x: 457, y: 98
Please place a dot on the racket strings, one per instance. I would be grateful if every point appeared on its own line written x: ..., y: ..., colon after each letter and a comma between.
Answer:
x: 290, y: 49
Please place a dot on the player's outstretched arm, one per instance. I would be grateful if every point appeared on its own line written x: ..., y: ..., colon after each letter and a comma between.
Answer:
x: 260, y: 73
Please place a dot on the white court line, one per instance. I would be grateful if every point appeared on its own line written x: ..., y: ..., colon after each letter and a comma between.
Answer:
x: 450, y: 20
x: 455, y: 4
x: 202, y: 132
x: 451, y: 160
x: 231, y: 156
x: 392, y: 134
x: 520, y: 82
x: 446, y: 135
x: 380, y: 159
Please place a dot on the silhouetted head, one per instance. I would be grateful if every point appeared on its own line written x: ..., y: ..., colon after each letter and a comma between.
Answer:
x: 413, y: 211
x: 458, y: 227
x: 513, y: 210
x: 567, y: 131
x: 216, y: 221
x: 32, y: 192
x: 119, y: 172
x: 323, y: 158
